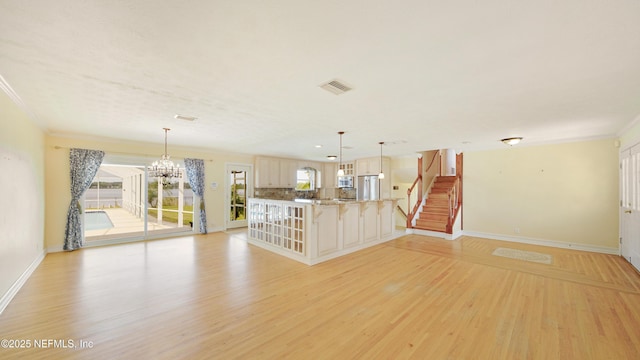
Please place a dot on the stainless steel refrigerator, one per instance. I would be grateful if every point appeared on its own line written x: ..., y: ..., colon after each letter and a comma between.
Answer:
x: 368, y: 187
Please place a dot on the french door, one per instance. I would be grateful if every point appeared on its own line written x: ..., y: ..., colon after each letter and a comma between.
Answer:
x: 630, y: 205
x: 238, y: 187
x: 124, y: 203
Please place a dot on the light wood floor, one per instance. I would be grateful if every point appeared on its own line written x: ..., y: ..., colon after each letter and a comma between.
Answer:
x: 417, y: 297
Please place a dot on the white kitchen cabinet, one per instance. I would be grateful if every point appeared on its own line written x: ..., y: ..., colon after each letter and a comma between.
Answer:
x: 288, y: 173
x: 329, y: 175
x: 313, y: 231
x: 267, y: 174
x: 371, y: 166
x: 369, y: 213
x: 350, y: 220
x: 349, y: 168
x: 368, y: 166
x: 275, y: 173
x: 326, y: 229
x: 385, y: 208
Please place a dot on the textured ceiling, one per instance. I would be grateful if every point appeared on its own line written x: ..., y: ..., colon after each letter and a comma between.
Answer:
x: 426, y: 74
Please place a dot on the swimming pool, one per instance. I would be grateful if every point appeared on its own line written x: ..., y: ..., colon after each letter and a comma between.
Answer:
x: 96, y: 220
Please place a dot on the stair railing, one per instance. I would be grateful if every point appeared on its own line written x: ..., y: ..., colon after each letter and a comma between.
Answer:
x: 453, y: 196
x: 401, y: 211
x: 412, y: 211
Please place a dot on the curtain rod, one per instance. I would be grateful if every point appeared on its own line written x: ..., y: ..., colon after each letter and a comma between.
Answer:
x: 58, y: 147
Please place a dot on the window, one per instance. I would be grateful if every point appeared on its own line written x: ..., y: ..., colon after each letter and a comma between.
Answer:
x: 123, y: 203
x: 306, y: 179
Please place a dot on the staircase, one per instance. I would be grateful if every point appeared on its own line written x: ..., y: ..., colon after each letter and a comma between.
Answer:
x: 435, y: 211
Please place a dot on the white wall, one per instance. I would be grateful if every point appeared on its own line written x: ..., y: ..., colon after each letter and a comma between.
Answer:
x: 449, y: 156
x: 404, y: 171
x: 564, y: 193
x: 21, y: 195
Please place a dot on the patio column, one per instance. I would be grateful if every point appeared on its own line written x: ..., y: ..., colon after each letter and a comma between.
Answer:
x: 180, y: 201
x: 159, y: 205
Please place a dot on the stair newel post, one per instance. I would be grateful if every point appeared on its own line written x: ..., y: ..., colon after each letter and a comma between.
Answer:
x: 450, y: 209
x: 457, y: 194
x: 409, y: 212
x: 419, y: 178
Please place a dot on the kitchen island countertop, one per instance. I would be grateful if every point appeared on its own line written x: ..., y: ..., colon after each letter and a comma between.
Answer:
x: 316, y: 230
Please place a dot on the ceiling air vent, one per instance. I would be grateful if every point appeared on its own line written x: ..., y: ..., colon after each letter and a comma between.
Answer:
x: 184, y: 117
x: 337, y: 87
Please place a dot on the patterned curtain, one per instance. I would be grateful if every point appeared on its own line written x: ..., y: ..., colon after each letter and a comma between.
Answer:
x: 84, y: 166
x: 195, y: 176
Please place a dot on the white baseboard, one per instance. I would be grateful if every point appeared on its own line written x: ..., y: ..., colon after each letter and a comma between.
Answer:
x: 353, y: 249
x: 308, y: 261
x: 279, y: 251
x: 437, y: 234
x: 215, y: 229
x: 55, y: 248
x: 544, y: 242
x: 115, y: 241
x: 17, y: 285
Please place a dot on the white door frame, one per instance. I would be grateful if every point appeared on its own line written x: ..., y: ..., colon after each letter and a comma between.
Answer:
x: 630, y: 204
x: 227, y: 192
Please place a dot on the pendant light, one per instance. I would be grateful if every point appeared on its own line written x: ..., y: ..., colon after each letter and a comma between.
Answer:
x: 164, y: 169
x: 340, y: 169
x: 381, y: 175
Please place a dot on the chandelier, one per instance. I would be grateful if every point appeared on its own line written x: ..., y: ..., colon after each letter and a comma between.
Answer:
x: 164, y: 168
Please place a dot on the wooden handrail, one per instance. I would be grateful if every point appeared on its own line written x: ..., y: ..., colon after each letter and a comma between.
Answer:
x: 432, y: 159
x: 414, y: 184
x: 401, y: 210
x: 417, y: 181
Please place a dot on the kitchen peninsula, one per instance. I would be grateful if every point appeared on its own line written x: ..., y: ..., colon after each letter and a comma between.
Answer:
x: 313, y: 231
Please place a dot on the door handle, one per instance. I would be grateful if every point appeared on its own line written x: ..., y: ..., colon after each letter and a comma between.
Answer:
x: 627, y: 211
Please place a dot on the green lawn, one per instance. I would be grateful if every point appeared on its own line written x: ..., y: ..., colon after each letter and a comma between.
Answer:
x: 171, y: 216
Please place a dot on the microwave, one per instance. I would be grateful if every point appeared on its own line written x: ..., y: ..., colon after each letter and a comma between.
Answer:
x: 345, y: 181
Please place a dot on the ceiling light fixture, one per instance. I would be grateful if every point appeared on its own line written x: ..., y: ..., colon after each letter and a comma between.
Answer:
x: 164, y: 169
x: 340, y: 169
x: 381, y: 175
x: 331, y: 157
x: 511, y: 141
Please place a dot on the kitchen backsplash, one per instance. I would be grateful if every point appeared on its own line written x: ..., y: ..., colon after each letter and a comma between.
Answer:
x: 284, y: 194
x: 291, y: 194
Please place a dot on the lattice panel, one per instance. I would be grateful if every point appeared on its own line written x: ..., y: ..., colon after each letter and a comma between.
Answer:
x: 273, y: 224
x: 256, y: 220
x: 279, y: 224
x: 294, y: 228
